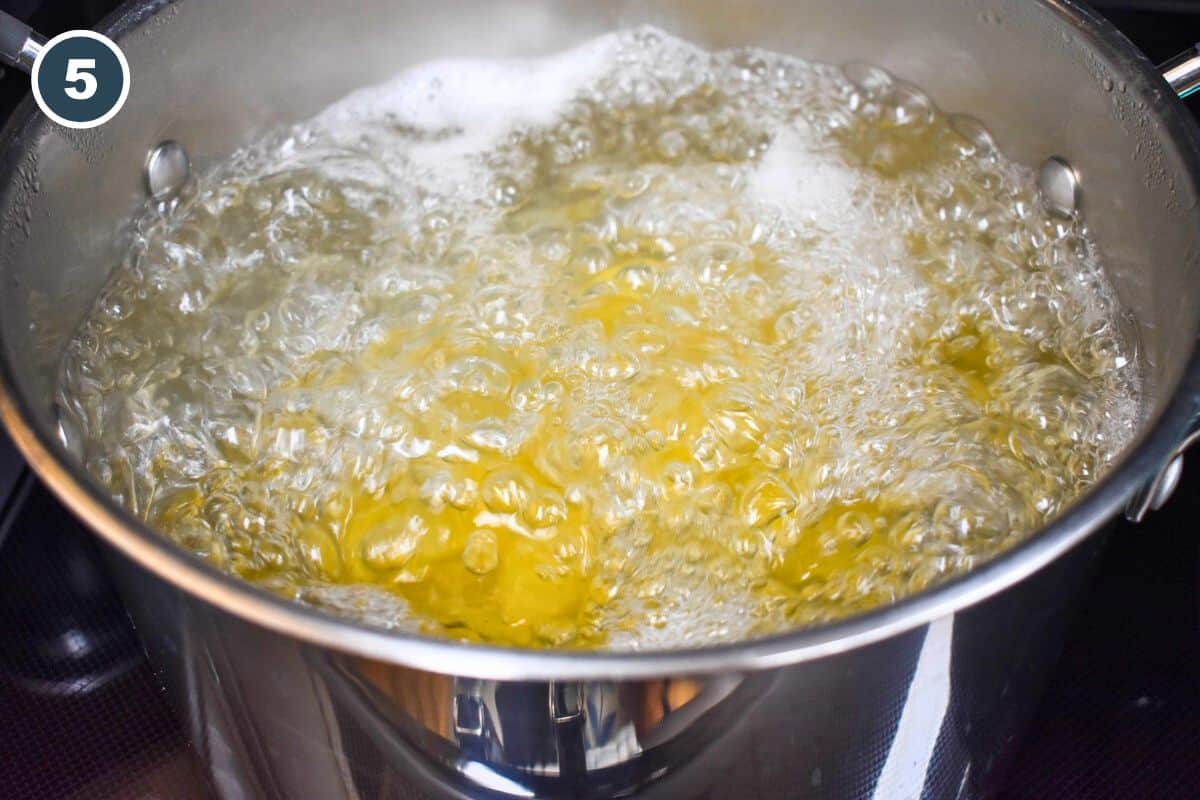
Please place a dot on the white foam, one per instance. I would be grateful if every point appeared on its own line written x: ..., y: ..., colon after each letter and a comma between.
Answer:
x: 804, y: 178
x: 468, y: 106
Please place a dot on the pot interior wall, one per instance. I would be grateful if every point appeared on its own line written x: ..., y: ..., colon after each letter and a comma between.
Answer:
x: 214, y: 73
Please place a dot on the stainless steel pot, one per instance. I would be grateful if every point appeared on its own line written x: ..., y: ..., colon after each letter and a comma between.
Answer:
x: 921, y: 699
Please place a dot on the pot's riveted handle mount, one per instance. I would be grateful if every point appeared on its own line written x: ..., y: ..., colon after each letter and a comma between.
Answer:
x: 19, y: 44
x: 1154, y: 494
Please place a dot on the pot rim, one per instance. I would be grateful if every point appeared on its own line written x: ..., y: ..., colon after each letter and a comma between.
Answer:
x: 252, y: 604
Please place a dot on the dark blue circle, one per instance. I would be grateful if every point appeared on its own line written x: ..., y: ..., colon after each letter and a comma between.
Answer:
x: 53, y: 83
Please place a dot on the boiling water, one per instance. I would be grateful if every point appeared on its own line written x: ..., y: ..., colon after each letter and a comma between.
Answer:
x: 634, y: 346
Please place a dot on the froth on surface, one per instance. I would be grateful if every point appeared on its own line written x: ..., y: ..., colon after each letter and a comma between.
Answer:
x: 459, y: 109
x: 807, y: 179
x: 635, y: 346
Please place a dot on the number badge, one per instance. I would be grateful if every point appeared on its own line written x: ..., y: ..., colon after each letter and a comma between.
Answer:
x: 80, y: 79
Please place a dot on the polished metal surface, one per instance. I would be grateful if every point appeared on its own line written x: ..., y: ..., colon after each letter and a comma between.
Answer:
x: 1182, y: 72
x: 167, y: 169
x: 1058, y: 187
x: 1155, y: 493
x: 1169, y: 483
x: 30, y: 50
x: 922, y: 698
x: 932, y: 713
x: 19, y: 45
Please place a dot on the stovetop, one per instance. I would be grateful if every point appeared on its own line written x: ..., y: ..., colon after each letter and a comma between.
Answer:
x: 81, y: 715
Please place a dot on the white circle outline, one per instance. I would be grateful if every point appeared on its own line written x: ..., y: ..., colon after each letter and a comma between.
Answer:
x: 70, y: 123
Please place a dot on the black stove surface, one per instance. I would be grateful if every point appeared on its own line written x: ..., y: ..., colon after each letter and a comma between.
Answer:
x: 81, y: 714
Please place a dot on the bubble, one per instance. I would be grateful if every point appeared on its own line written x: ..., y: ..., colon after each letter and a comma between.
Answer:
x: 679, y: 476
x: 392, y: 543
x: 320, y: 551
x: 671, y: 144
x: 481, y: 554
x: 637, y: 278
x: 545, y: 508
x: 506, y: 490
x: 766, y: 500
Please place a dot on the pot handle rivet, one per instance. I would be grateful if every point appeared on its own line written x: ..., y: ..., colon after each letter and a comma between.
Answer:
x: 167, y: 169
x: 1058, y: 185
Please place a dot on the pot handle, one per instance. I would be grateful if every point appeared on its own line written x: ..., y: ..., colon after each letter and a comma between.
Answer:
x: 1183, y: 71
x: 19, y: 44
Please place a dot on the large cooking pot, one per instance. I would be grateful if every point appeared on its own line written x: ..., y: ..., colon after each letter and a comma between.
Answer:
x: 920, y: 699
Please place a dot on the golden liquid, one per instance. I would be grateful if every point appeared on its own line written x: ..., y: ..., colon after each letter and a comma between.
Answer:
x: 627, y: 393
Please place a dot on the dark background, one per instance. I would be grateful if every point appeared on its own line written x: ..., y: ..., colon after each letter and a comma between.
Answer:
x: 81, y: 716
